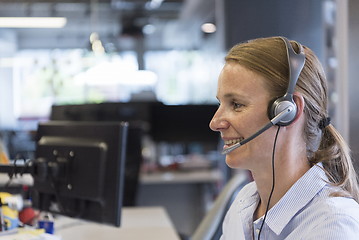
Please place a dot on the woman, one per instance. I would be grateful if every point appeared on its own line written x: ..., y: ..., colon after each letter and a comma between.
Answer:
x: 305, y: 186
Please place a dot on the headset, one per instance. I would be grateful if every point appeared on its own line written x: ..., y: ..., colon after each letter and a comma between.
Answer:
x: 282, y: 110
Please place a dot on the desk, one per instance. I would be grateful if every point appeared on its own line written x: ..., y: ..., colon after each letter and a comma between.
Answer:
x: 199, y: 176
x: 186, y: 195
x: 137, y: 224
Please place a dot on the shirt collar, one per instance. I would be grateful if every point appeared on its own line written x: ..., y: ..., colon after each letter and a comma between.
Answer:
x: 311, y: 183
x: 249, y: 196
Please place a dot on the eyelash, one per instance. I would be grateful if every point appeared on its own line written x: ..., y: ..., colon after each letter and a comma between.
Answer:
x: 236, y: 105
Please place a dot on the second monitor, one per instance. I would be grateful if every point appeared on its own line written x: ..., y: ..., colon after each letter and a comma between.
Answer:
x: 79, y: 169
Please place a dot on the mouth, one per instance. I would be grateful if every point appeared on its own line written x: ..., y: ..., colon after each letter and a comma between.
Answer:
x: 231, y: 142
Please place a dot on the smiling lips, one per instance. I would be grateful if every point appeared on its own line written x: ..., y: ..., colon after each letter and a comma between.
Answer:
x: 229, y: 143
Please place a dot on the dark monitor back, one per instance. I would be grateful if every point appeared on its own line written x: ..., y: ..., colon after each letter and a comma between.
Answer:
x: 107, y: 111
x: 136, y: 113
x: 183, y: 123
x: 80, y: 169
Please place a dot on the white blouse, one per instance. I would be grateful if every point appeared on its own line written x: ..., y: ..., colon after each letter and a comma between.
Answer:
x: 306, y: 211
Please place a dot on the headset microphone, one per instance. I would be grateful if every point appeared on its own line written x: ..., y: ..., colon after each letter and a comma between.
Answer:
x: 272, y: 122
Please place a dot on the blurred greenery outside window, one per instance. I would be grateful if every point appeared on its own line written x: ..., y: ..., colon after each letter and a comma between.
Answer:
x: 46, y: 77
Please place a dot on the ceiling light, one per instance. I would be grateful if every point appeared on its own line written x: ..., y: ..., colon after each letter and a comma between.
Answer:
x: 153, y: 4
x: 208, y: 28
x: 32, y: 22
x: 148, y: 29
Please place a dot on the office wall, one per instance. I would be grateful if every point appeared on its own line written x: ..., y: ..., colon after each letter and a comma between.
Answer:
x: 353, y: 49
x: 299, y: 20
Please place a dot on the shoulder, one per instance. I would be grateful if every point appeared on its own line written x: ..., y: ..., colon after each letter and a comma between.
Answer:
x: 328, y: 206
x: 335, y: 218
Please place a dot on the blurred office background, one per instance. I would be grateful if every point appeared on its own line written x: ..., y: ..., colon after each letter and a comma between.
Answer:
x: 168, y: 51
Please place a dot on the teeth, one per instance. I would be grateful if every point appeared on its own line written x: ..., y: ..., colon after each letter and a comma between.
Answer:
x: 233, y: 141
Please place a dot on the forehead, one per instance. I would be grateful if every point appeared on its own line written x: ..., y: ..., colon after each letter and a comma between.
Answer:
x: 236, y: 80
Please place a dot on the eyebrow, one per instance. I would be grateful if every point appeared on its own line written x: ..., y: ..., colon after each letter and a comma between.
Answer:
x: 238, y: 97
x: 234, y: 95
x: 230, y: 95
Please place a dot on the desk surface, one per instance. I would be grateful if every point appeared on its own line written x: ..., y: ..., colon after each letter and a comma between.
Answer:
x: 199, y: 176
x: 137, y: 223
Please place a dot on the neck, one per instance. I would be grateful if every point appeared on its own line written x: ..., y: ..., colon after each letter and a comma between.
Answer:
x: 289, y: 167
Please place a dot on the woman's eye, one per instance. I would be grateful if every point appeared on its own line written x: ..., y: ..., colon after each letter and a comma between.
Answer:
x: 236, y: 105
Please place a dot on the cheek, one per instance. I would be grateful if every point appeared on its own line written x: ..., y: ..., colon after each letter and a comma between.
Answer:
x: 255, y: 152
x: 263, y: 144
x: 247, y: 127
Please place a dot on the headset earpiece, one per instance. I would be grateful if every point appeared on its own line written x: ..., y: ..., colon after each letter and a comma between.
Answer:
x: 295, y: 64
x: 278, y: 106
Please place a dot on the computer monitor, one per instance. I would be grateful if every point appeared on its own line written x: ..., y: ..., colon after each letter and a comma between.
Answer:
x: 79, y: 169
x: 137, y: 114
x: 106, y: 111
x: 183, y: 123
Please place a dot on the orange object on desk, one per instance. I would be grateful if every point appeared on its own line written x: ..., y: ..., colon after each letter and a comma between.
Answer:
x: 3, y: 158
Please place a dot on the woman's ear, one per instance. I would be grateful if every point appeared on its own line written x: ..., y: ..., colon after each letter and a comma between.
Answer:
x: 299, y: 101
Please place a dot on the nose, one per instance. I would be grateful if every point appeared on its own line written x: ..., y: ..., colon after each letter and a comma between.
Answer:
x: 218, y: 122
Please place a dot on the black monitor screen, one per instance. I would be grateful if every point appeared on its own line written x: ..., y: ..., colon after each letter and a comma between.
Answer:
x: 183, y: 123
x: 107, y: 111
x: 79, y: 169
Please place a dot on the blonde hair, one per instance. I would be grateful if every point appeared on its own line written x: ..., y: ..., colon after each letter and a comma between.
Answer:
x: 268, y: 57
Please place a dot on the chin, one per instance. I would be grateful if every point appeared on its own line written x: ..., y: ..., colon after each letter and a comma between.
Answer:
x: 235, y: 162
